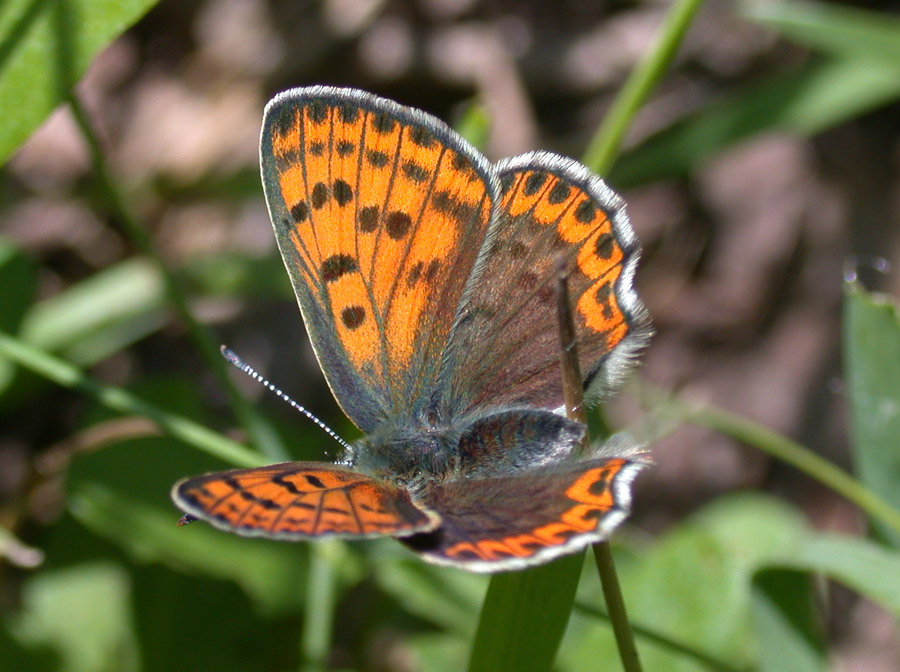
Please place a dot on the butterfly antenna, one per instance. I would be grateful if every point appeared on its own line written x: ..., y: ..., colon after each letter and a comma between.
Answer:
x: 250, y: 371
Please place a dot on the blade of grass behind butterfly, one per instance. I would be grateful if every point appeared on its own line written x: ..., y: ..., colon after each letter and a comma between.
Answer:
x: 512, y: 633
x: 872, y: 371
x: 122, y: 401
x: 318, y: 607
x: 677, y: 410
x: 860, y: 73
x: 603, y: 150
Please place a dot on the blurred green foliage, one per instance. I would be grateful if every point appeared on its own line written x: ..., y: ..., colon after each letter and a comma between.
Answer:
x: 45, y: 47
x: 122, y: 588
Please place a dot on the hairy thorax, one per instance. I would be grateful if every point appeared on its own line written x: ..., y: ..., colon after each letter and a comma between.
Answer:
x: 406, y: 454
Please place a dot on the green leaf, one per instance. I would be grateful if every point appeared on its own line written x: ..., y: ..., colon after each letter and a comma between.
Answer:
x: 83, y: 615
x: 693, y: 586
x: 861, y: 565
x: 833, y: 28
x: 524, y: 617
x: 804, y: 102
x: 872, y: 365
x: 105, y: 312
x: 790, y: 635
x: 45, y: 47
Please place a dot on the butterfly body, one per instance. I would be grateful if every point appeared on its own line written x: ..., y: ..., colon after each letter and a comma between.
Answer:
x: 502, y: 442
x: 406, y: 453
x: 425, y: 276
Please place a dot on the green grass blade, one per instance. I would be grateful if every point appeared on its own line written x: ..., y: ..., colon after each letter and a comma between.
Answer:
x: 319, y: 605
x: 122, y: 401
x: 615, y: 607
x: 673, y: 410
x: 604, y: 147
x: 127, y: 293
x: 832, y: 28
x: 804, y: 102
x: 791, y: 452
x: 524, y: 617
x: 872, y: 365
x: 790, y: 635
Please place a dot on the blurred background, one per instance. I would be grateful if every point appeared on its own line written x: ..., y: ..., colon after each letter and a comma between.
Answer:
x: 764, y: 165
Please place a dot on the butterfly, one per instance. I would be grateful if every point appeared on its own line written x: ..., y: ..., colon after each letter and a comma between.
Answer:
x: 426, y: 279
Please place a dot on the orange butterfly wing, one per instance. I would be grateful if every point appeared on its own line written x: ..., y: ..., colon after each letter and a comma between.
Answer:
x: 379, y: 212
x: 506, y: 344
x: 299, y: 500
x: 532, y: 516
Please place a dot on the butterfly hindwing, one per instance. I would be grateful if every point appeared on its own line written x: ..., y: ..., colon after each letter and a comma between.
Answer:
x: 379, y: 212
x: 505, y: 346
x: 299, y: 500
x: 510, y: 522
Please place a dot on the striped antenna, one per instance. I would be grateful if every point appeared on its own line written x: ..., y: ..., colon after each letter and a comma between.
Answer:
x: 250, y: 371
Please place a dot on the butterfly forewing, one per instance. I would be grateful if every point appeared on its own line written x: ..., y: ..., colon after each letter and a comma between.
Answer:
x: 379, y: 214
x: 298, y: 500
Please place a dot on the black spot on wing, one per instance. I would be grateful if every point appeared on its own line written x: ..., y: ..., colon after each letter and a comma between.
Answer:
x: 343, y: 193
x: 319, y: 196
x: 397, y: 224
x: 338, y: 265
x: 368, y: 218
x: 353, y: 316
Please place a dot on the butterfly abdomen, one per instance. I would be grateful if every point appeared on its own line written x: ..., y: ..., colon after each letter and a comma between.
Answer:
x: 513, y: 440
